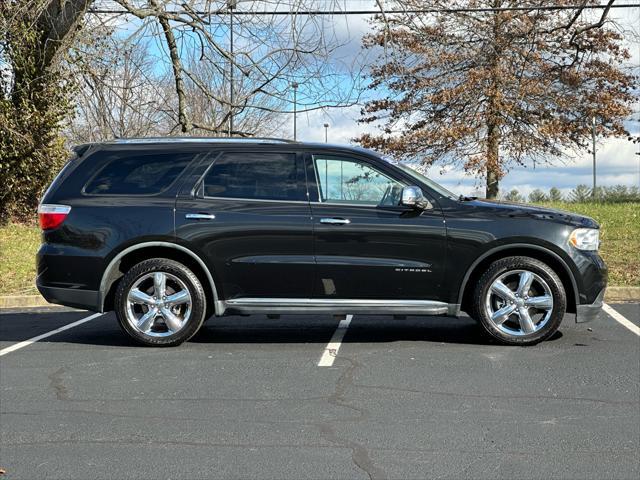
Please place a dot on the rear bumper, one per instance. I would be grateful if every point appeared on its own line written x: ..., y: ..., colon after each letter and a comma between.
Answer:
x: 588, y: 312
x: 72, y: 297
x: 67, y: 278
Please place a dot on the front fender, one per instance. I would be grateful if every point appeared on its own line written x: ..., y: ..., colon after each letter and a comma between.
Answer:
x: 520, y: 248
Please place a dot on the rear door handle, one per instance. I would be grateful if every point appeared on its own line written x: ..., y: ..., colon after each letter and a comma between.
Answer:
x: 200, y: 216
x: 335, y: 221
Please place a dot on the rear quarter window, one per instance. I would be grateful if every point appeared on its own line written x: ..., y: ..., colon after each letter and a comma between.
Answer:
x: 137, y: 173
x: 62, y: 175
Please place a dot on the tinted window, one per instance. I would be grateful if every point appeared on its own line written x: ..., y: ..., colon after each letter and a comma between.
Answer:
x: 138, y: 174
x: 349, y: 181
x: 268, y: 176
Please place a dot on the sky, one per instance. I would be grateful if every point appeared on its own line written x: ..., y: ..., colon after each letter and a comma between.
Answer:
x: 618, y: 161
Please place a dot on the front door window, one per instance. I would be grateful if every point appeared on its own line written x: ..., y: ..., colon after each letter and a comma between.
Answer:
x: 348, y: 181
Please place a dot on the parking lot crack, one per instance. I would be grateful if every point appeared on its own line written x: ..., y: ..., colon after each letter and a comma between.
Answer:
x: 57, y: 384
x: 359, y: 454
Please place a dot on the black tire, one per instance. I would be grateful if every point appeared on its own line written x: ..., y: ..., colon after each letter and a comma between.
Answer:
x: 503, y: 267
x: 198, y: 301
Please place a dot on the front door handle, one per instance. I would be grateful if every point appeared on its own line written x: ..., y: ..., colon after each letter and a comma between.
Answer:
x: 335, y: 221
x: 200, y: 216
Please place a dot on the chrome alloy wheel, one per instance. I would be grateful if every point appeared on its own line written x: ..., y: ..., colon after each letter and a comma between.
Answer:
x: 519, y: 303
x: 158, y: 304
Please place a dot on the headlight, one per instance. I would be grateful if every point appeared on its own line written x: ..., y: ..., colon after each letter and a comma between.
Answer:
x: 585, y: 239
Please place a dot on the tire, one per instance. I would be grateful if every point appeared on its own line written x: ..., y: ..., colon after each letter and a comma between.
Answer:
x: 160, y: 320
x: 531, y: 312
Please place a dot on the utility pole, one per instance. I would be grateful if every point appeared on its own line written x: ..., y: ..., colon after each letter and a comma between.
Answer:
x: 295, y: 85
x: 326, y: 134
x: 231, y: 5
x: 593, y: 151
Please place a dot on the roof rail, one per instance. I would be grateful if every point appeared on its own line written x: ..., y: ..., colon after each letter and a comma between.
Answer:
x: 201, y: 140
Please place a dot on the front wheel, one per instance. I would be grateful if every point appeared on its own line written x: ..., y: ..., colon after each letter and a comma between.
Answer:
x: 160, y: 302
x: 519, y: 301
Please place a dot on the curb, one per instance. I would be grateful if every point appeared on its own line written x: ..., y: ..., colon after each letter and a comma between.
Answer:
x: 613, y: 294
x: 622, y: 294
x: 24, y: 301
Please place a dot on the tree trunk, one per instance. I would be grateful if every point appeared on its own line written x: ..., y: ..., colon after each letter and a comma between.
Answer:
x: 176, y: 62
x: 492, y: 189
x: 58, y: 23
x: 493, y: 113
x: 31, y: 116
x: 493, y: 159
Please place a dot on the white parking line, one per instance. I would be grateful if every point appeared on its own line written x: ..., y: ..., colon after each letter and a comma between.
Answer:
x: 621, y: 319
x: 331, y: 350
x: 26, y: 343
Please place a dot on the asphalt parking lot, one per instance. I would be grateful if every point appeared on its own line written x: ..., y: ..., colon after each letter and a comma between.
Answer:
x: 424, y: 397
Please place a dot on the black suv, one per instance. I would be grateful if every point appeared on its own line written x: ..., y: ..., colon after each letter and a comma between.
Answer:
x: 168, y: 232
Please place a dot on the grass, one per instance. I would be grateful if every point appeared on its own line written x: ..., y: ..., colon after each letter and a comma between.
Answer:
x: 18, y: 247
x: 619, y: 237
x: 620, y: 248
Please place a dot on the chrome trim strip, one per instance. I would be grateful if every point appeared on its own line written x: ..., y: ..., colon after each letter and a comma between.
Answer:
x: 276, y: 259
x: 200, y: 216
x: 333, y: 301
x: 138, y: 246
x: 367, y: 205
x: 335, y: 221
x: 370, y: 262
x: 337, y: 306
x: 255, y: 200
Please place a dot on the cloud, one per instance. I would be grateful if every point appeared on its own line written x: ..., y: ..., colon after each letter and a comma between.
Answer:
x: 617, y: 163
x: 343, y: 125
x: 617, y: 159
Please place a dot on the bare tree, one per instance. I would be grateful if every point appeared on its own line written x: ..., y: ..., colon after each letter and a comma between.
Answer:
x: 263, y: 119
x: 269, y: 53
x: 118, y: 94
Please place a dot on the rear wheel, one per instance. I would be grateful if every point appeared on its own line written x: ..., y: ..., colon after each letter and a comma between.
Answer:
x: 160, y: 302
x: 519, y: 301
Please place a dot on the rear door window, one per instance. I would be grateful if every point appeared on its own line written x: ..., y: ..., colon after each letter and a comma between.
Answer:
x: 138, y: 174
x: 257, y: 175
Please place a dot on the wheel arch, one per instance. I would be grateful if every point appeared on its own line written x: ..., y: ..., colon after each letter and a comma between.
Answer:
x: 551, y: 258
x: 154, y: 249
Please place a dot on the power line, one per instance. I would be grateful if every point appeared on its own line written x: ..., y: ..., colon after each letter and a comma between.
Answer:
x: 374, y: 12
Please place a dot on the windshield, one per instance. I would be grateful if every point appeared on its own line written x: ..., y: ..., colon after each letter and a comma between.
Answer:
x: 421, y: 178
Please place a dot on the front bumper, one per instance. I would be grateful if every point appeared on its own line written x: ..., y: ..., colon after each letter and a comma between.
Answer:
x: 588, y: 312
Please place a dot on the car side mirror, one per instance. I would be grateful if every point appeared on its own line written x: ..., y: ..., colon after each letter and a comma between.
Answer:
x: 413, y: 197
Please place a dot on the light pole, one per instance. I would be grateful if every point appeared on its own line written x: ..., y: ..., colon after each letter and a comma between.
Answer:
x: 231, y: 5
x: 295, y: 85
x: 326, y: 133
x: 593, y: 151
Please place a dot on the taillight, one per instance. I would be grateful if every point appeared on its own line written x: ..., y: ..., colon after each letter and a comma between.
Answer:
x: 52, y: 216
